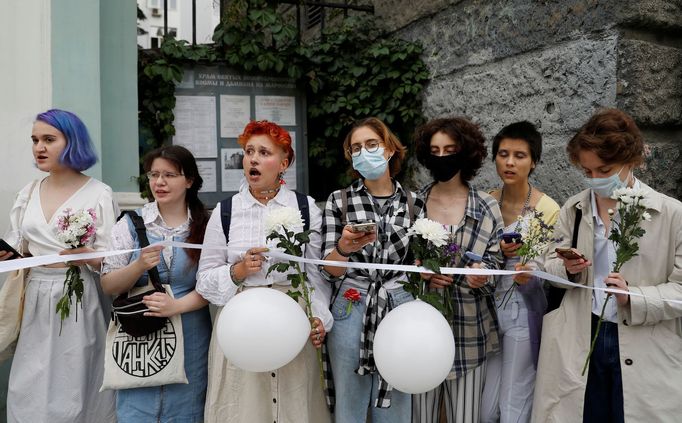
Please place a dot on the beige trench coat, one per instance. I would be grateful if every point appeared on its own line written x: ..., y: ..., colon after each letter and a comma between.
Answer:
x: 649, y: 330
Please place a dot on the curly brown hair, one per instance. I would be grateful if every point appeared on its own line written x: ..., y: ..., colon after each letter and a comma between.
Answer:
x: 612, y: 135
x: 466, y: 134
x: 389, y: 139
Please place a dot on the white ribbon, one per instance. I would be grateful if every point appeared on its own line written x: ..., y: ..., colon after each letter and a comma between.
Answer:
x: 22, y: 263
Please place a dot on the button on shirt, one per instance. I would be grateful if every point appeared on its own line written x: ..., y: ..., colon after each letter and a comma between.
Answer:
x: 247, y: 230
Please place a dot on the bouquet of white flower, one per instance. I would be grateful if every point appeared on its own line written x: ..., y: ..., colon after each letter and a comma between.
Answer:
x: 536, y: 237
x: 432, y: 247
x: 75, y: 229
x: 624, y: 234
x: 280, y: 225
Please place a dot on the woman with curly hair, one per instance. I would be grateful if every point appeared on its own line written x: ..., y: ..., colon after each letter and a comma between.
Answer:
x: 453, y: 150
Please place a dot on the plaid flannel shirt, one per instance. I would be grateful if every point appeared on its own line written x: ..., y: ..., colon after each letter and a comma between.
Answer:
x: 392, y: 247
x: 475, y: 318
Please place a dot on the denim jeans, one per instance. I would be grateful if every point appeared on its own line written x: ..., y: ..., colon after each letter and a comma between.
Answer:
x: 355, y: 393
x: 604, y: 392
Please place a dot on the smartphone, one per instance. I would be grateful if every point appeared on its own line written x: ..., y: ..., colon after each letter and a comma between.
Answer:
x: 473, y: 256
x: 4, y: 246
x: 363, y: 227
x: 569, y: 253
x: 512, y: 238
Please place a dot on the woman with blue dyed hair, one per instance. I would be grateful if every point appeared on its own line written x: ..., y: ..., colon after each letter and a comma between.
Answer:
x: 56, y: 376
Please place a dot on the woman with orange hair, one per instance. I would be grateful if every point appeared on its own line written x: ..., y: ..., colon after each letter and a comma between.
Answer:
x: 293, y: 392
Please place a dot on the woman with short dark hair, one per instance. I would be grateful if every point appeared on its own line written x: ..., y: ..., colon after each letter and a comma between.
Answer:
x: 453, y: 149
x: 635, y: 370
x: 510, y: 375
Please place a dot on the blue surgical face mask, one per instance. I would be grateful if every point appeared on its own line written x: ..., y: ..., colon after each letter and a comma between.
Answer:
x: 370, y: 165
x: 604, y: 187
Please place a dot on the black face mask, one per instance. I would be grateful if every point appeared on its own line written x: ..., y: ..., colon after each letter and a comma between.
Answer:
x: 443, y: 168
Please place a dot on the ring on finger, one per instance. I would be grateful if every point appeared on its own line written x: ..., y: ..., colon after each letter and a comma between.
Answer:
x: 355, y: 241
x: 317, y: 338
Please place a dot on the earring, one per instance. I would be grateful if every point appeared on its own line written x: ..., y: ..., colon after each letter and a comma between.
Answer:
x: 281, y: 178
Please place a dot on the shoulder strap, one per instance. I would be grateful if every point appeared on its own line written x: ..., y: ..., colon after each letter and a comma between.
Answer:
x: 556, y: 295
x: 226, y: 217
x: 23, y: 213
x: 344, y: 206
x: 302, y: 200
x: 410, y: 206
x: 141, y: 230
x: 576, y: 225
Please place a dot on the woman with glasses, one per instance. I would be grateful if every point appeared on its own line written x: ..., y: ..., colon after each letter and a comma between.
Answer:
x: 375, y: 198
x: 635, y: 370
x: 453, y: 150
x: 292, y: 393
x: 176, y: 214
x: 510, y: 374
x: 57, y: 368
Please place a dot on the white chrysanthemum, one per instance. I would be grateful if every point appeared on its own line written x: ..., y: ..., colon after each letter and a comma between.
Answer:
x: 620, y: 192
x: 288, y: 218
x: 646, y: 216
x: 430, y: 231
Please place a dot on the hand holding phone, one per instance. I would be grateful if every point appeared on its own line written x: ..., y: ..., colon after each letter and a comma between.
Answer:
x: 4, y: 246
x: 473, y: 256
x: 368, y: 227
x: 512, y: 238
x: 570, y: 253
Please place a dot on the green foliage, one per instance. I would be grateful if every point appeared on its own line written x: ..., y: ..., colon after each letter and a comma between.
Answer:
x: 354, y: 71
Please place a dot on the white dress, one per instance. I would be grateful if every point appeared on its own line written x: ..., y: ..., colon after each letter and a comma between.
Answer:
x: 291, y: 394
x: 57, y: 378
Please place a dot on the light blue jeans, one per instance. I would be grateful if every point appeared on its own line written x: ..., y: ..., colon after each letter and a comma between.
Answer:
x: 355, y: 393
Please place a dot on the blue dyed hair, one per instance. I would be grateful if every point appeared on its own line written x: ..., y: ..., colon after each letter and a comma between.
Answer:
x: 79, y: 153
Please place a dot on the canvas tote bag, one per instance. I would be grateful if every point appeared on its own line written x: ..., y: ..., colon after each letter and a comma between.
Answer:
x: 152, y: 360
x: 12, y: 299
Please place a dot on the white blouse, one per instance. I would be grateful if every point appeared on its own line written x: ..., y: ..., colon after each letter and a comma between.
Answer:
x: 247, y: 230
x: 39, y: 234
x: 122, y: 239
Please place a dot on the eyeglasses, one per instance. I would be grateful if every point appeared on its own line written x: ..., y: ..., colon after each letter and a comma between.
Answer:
x: 152, y: 176
x: 370, y: 145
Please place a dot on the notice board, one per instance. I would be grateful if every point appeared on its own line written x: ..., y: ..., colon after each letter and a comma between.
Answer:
x: 214, y: 104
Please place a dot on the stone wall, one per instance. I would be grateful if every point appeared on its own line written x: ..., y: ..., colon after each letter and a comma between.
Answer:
x: 553, y: 63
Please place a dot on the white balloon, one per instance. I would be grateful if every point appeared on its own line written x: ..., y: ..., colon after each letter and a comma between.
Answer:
x: 262, y: 329
x: 414, y: 348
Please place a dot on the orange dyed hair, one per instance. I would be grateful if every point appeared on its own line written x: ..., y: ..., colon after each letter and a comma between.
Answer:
x: 277, y: 134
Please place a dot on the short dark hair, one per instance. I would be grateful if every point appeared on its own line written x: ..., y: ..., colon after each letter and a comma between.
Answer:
x: 523, y: 130
x: 612, y: 135
x: 466, y: 134
x: 79, y: 153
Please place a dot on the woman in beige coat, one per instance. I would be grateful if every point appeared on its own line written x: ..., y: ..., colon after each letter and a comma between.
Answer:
x: 636, y: 369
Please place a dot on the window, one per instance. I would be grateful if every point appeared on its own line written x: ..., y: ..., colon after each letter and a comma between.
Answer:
x: 158, y: 4
x: 313, y: 16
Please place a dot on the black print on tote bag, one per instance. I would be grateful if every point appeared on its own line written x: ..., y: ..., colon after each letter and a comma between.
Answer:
x: 145, y: 356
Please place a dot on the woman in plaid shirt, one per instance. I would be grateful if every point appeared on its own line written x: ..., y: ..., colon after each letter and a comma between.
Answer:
x: 376, y: 154
x: 453, y: 150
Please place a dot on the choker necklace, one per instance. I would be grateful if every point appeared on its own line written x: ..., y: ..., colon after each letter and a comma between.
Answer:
x: 267, y: 194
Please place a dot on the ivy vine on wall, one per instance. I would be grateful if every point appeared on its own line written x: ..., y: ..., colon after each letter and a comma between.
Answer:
x: 354, y: 70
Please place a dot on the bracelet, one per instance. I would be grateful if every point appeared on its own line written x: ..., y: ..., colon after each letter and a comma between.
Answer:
x: 233, y: 275
x: 340, y: 251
